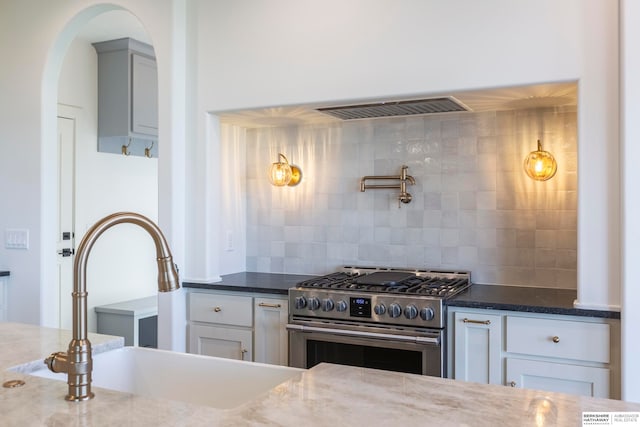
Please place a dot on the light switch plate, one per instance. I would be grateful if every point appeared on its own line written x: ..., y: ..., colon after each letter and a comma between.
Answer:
x: 16, y: 238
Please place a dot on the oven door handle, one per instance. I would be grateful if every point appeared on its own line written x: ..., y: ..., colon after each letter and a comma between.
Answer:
x: 391, y: 337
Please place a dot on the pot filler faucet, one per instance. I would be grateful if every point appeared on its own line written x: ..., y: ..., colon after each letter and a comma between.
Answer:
x: 77, y: 361
x: 403, y: 197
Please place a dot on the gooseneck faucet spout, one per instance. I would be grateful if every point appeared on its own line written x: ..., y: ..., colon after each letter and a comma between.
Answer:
x: 77, y: 361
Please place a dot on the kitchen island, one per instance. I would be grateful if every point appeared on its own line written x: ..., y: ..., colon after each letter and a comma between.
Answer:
x: 326, y: 395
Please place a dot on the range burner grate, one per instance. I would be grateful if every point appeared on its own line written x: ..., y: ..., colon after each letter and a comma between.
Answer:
x: 440, y: 287
x: 328, y: 281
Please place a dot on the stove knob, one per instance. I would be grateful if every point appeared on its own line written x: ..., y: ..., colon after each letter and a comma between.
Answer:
x: 300, y: 302
x: 314, y: 303
x: 395, y: 310
x: 341, y: 305
x: 427, y: 313
x: 380, y: 309
x: 410, y: 311
x: 327, y: 304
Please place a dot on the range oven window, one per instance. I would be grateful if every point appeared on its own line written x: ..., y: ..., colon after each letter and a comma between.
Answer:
x: 389, y: 359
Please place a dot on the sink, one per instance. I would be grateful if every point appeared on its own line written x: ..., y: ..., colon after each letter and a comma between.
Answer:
x: 212, y: 381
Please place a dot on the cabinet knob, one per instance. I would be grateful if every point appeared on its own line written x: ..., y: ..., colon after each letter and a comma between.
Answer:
x: 556, y: 339
x: 242, y: 353
x: 512, y: 383
x: 217, y: 309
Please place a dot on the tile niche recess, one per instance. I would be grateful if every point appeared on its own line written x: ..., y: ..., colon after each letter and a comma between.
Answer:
x: 473, y: 206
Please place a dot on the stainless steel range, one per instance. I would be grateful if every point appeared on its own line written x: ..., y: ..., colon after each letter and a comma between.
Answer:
x: 382, y: 318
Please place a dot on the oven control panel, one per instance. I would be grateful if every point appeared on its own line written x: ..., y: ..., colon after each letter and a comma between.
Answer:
x: 371, y: 308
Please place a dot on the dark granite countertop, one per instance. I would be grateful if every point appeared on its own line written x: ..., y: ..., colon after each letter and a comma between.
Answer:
x: 525, y: 299
x: 267, y: 283
x: 4, y: 273
x: 496, y: 297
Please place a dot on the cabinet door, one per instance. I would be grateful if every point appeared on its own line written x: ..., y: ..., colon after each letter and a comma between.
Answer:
x: 560, y: 377
x: 271, y: 338
x: 477, y: 351
x: 144, y: 95
x: 218, y: 341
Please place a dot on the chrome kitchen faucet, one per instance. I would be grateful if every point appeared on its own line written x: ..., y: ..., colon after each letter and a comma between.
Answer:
x: 77, y: 361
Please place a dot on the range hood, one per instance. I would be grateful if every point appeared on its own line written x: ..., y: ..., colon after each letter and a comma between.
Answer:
x: 397, y: 108
x: 543, y: 95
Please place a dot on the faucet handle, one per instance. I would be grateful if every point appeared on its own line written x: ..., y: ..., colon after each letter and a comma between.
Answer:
x: 404, y: 198
x: 57, y: 362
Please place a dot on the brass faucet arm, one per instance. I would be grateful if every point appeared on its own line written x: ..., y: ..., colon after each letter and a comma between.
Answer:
x: 404, y: 197
x: 364, y: 186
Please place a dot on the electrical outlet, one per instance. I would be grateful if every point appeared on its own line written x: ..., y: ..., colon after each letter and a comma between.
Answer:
x: 16, y: 238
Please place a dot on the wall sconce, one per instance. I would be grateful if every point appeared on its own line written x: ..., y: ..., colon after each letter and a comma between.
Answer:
x: 540, y: 165
x: 282, y: 173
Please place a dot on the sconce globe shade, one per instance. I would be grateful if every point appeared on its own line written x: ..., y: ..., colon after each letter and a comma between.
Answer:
x: 280, y: 174
x: 540, y: 165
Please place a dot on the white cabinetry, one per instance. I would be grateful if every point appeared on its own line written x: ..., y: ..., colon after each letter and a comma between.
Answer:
x: 560, y: 377
x: 226, y: 328
x: 558, y: 355
x: 478, y: 344
x: 570, y: 354
x: 220, y: 341
x: 239, y: 326
x: 270, y: 335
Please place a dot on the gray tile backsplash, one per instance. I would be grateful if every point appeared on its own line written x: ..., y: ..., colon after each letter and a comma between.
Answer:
x: 473, y: 206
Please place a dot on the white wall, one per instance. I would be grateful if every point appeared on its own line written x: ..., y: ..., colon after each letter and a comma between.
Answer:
x: 266, y: 53
x: 122, y: 264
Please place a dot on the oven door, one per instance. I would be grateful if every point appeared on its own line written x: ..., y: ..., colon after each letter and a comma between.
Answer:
x: 402, y: 350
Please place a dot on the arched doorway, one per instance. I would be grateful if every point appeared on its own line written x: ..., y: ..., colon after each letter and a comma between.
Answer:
x: 120, y: 268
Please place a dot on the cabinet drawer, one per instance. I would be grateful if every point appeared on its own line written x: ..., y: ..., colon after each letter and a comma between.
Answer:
x: 564, y: 339
x: 221, y: 309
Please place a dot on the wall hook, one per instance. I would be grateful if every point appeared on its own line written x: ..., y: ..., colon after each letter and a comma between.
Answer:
x: 125, y: 148
x: 147, y: 150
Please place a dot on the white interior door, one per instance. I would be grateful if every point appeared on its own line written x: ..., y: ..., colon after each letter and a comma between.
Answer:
x: 65, y: 225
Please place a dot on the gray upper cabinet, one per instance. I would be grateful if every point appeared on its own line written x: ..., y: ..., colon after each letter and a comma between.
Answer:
x: 127, y: 98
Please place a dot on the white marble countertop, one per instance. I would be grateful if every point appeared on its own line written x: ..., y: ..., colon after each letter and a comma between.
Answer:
x: 327, y: 395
